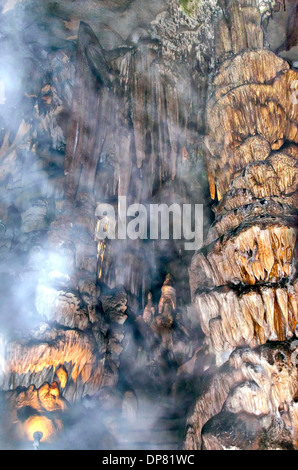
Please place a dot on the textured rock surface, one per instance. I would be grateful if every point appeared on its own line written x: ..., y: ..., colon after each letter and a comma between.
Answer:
x: 243, y: 281
x: 110, y: 344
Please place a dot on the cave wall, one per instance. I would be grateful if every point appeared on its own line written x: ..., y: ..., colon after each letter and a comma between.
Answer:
x: 244, y: 280
x: 102, y: 342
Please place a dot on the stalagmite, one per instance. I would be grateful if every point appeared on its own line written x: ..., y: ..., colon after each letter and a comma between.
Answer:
x: 149, y: 311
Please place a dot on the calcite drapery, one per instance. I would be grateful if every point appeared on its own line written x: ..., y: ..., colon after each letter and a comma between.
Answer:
x: 91, y: 106
x: 243, y: 281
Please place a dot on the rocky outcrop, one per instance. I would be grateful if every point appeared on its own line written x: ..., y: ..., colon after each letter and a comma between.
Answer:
x: 243, y: 281
x: 80, y: 141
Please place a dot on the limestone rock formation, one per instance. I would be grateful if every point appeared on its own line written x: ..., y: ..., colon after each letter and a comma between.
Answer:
x: 139, y: 343
x: 243, y: 281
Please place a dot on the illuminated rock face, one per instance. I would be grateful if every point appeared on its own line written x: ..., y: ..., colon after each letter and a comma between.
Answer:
x: 35, y: 411
x: 243, y: 281
x: 91, y: 125
x: 97, y: 337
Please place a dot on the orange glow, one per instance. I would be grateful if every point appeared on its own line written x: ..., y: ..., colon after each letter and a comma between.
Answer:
x: 49, y: 397
x: 212, y: 185
x: 62, y: 376
x: 73, y: 348
x: 40, y: 424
